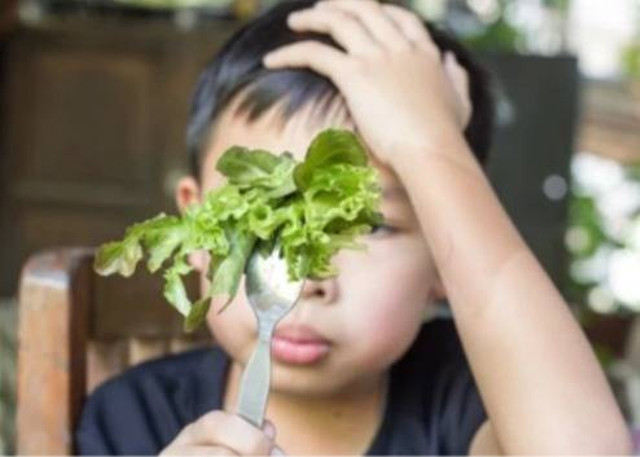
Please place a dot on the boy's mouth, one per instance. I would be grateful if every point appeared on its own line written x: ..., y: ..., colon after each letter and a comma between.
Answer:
x: 288, y: 351
x: 299, y: 334
x: 299, y: 345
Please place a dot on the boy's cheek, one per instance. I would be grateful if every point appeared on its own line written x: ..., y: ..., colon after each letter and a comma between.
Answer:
x: 386, y: 301
x: 383, y: 337
x: 235, y: 328
x: 387, y: 320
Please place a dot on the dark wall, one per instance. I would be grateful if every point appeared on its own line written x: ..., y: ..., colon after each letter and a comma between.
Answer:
x: 8, y: 19
x: 530, y: 160
x: 94, y: 115
x: 4, y: 212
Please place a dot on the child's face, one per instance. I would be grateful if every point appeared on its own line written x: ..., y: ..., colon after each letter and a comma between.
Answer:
x: 371, y: 312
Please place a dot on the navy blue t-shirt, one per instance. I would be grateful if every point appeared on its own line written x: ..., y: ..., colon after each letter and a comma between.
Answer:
x: 433, y: 406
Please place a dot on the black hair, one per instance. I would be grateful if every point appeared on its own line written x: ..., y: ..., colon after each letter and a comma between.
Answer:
x: 238, y: 66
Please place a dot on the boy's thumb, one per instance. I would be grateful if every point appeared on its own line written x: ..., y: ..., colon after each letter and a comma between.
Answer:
x: 277, y: 451
x: 269, y: 429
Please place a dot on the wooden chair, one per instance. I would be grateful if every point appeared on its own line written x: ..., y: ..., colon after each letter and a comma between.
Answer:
x: 76, y: 329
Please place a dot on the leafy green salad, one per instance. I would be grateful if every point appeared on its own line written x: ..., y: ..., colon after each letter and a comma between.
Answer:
x: 312, y: 208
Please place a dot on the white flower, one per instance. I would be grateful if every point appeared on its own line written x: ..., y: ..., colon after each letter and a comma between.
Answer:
x: 595, y: 175
x: 577, y: 239
x: 594, y: 268
x: 601, y: 300
x: 624, y: 277
x: 632, y: 238
x: 617, y: 206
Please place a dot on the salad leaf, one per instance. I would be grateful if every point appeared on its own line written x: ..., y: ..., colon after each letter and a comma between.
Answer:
x: 119, y: 257
x: 313, y: 208
x: 242, y: 166
x: 329, y: 147
x: 229, y: 270
x: 197, y: 314
x: 258, y: 168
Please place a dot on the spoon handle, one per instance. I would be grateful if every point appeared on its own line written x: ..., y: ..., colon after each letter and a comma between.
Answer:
x: 254, y: 385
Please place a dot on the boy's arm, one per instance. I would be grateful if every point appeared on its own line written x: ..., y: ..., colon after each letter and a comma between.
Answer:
x: 539, y: 379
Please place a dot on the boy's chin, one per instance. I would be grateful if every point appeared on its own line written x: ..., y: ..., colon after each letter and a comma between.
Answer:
x: 315, y: 382
x: 304, y: 381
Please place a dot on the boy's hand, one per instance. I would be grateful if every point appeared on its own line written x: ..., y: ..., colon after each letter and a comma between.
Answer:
x: 401, y: 96
x: 222, y: 433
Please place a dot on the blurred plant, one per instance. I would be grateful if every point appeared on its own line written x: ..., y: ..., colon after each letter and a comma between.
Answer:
x: 522, y: 26
x: 499, y: 36
x: 631, y: 54
x: 150, y: 4
x: 631, y: 60
x: 603, y: 235
x: 483, y: 25
x: 176, y: 3
x: 560, y: 5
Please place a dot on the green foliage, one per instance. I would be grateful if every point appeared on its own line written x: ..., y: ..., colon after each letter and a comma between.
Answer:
x: 497, y: 37
x: 600, y: 234
x: 631, y: 61
x: 584, y: 214
x: 561, y: 5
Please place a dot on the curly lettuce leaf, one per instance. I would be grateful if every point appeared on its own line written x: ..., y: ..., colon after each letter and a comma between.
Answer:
x: 258, y: 168
x: 229, y: 271
x: 118, y: 257
x: 329, y: 147
x: 174, y: 290
x: 313, y: 208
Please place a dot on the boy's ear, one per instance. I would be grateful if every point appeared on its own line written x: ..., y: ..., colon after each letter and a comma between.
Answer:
x: 188, y: 193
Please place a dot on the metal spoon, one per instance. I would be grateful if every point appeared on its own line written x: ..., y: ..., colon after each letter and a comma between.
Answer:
x: 271, y: 296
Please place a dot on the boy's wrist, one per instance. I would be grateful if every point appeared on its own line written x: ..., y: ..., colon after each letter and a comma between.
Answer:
x: 448, y: 141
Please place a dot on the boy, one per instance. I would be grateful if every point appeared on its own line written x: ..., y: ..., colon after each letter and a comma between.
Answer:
x: 385, y: 383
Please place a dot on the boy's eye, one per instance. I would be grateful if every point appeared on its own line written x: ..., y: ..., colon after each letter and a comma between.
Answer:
x: 383, y: 230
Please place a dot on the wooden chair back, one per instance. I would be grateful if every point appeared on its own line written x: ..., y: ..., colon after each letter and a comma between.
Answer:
x: 75, y: 330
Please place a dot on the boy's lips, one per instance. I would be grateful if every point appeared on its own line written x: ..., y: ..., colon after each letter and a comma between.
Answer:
x: 299, y: 345
x: 300, y: 334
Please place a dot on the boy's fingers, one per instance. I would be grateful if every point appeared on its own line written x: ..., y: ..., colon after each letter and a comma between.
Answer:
x: 345, y: 29
x: 230, y: 431
x: 460, y: 80
x: 269, y: 429
x: 324, y: 59
x: 198, y: 450
x: 206, y: 450
x: 370, y: 13
x: 411, y: 25
x: 277, y: 451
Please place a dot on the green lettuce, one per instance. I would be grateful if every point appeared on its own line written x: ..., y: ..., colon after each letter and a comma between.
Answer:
x: 314, y: 208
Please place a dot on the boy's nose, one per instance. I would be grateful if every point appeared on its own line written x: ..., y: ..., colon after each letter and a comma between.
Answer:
x: 324, y: 291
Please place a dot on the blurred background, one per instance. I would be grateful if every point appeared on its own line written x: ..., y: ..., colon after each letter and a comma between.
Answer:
x: 93, y: 102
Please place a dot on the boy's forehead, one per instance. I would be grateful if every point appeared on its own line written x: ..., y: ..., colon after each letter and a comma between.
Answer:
x: 271, y: 132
